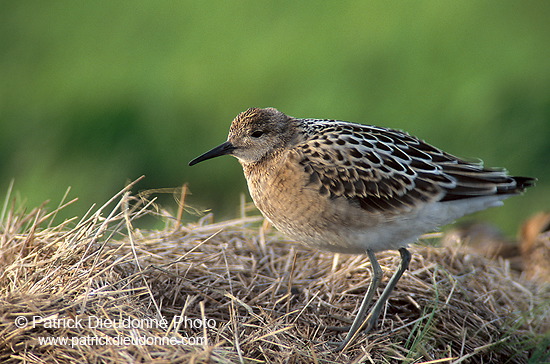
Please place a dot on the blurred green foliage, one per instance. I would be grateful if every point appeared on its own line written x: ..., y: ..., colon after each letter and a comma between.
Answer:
x: 95, y: 93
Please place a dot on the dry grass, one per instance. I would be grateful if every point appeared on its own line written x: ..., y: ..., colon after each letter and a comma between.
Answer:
x: 263, y: 300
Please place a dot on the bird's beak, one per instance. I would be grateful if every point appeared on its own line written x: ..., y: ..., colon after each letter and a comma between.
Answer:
x: 222, y: 149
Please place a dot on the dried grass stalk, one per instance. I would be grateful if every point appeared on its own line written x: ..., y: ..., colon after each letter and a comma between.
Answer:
x: 247, y: 296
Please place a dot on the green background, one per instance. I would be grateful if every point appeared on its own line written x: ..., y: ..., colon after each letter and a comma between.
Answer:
x: 95, y: 93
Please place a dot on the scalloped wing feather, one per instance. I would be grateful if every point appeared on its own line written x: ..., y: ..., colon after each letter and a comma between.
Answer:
x: 387, y: 170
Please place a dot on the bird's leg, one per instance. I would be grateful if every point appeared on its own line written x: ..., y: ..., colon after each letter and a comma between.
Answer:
x: 361, y: 314
x: 374, y: 313
x: 377, y: 308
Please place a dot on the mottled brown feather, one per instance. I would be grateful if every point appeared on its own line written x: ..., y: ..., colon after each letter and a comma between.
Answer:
x: 391, y: 171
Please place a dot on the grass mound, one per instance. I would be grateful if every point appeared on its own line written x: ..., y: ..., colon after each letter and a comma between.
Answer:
x: 101, y: 290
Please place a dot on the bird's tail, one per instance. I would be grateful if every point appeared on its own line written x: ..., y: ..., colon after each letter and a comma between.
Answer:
x: 522, y: 183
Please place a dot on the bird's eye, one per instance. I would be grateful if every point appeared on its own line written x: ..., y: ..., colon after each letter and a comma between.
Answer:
x: 257, y: 134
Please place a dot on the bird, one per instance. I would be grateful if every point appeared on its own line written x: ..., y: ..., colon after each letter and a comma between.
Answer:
x: 354, y: 188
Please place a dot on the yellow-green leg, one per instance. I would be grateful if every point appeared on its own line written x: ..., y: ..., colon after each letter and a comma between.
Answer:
x: 374, y: 313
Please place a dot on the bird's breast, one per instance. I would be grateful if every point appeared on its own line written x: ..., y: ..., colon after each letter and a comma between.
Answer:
x: 279, y: 190
x: 282, y: 193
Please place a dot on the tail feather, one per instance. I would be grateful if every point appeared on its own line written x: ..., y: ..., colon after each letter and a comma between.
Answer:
x: 468, y: 187
x: 523, y: 182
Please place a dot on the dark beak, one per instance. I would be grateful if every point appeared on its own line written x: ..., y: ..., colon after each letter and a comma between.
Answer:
x: 222, y: 149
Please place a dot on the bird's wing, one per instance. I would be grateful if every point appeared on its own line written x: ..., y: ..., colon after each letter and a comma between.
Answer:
x: 388, y: 170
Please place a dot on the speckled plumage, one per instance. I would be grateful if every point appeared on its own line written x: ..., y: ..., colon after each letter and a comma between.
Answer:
x: 355, y: 188
x: 347, y: 187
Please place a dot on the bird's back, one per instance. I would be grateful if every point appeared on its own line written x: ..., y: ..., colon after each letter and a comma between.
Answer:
x: 385, y: 169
